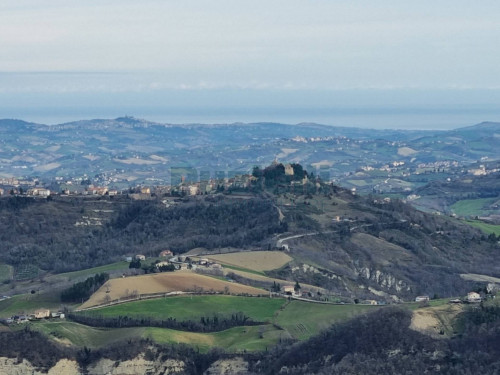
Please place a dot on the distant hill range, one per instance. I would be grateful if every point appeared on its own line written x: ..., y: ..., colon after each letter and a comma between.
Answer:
x: 127, y: 150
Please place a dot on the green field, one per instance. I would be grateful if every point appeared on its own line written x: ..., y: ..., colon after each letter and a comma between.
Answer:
x: 305, y: 319
x: 28, y: 303
x: 234, y: 339
x: 193, y: 307
x: 472, y: 207
x: 486, y: 228
x: 297, y: 319
x: 6, y: 272
x: 81, y: 335
x: 92, y: 271
x: 242, y: 269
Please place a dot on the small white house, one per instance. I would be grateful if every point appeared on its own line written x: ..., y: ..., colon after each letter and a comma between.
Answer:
x: 422, y: 299
x: 473, y: 297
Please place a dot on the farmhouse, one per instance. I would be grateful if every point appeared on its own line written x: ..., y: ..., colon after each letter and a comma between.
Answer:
x: 166, y: 254
x: 39, y: 192
x: 473, y: 297
x: 140, y: 257
x: 422, y: 299
x: 289, y: 289
x: 42, y: 314
x: 161, y: 264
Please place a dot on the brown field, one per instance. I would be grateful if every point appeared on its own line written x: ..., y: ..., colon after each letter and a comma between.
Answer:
x: 253, y: 276
x: 435, y: 321
x: 253, y: 260
x: 184, y: 281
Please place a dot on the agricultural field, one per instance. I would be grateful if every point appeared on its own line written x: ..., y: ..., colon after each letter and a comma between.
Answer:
x: 185, y: 281
x: 235, y: 339
x: 436, y: 321
x: 28, y: 303
x: 298, y: 319
x: 485, y: 227
x: 70, y: 333
x: 108, y: 268
x: 305, y: 319
x: 473, y: 207
x: 254, y: 260
x: 181, y: 308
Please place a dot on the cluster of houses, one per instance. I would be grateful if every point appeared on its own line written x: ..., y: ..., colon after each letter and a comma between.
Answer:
x: 37, y: 315
x: 180, y: 262
x: 472, y: 297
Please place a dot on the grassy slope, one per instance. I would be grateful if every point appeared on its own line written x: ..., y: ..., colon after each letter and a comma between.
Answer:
x: 81, y: 335
x: 193, y: 307
x: 234, y: 339
x: 28, y: 303
x: 92, y: 271
x: 304, y: 319
x: 471, y: 207
x: 486, y: 228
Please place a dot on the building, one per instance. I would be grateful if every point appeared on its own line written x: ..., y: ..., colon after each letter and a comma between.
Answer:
x: 473, y: 297
x: 422, y: 299
x: 193, y: 190
x: 42, y: 313
x: 288, y: 170
x: 161, y: 264
x: 145, y: 190
x: 290, y: 290
x: 166, y: 254
x: 41, y: 192
x: 140, y: 257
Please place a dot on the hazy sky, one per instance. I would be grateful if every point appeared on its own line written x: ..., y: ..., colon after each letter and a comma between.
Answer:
x: 125, y: 50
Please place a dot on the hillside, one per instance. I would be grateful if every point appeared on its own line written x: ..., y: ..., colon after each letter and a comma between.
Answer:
x: 126, y: 151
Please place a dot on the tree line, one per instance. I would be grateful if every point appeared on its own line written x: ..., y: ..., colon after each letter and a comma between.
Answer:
x: 217, y: 322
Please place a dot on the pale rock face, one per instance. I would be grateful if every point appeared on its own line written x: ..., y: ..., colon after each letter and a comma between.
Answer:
x: 9, y: 366
x: 65, y: 367
x: 136, y: 366
x: 383, y: 279
x: 235, y: 366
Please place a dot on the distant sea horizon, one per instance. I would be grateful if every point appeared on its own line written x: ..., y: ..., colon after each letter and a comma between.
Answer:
x: 369, y: 118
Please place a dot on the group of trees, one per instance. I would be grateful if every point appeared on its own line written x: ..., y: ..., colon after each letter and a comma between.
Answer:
x: 44, y: 234
x: 275, y: 174
x: 83, y: 290
x: 213, y: 323
x: 382, y: 343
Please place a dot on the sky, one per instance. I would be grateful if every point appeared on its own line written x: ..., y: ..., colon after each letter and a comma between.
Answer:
x: 239, y: 60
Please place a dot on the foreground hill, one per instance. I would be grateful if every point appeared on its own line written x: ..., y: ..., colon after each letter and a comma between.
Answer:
x: 355, y: 247
x: 375, y: 343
